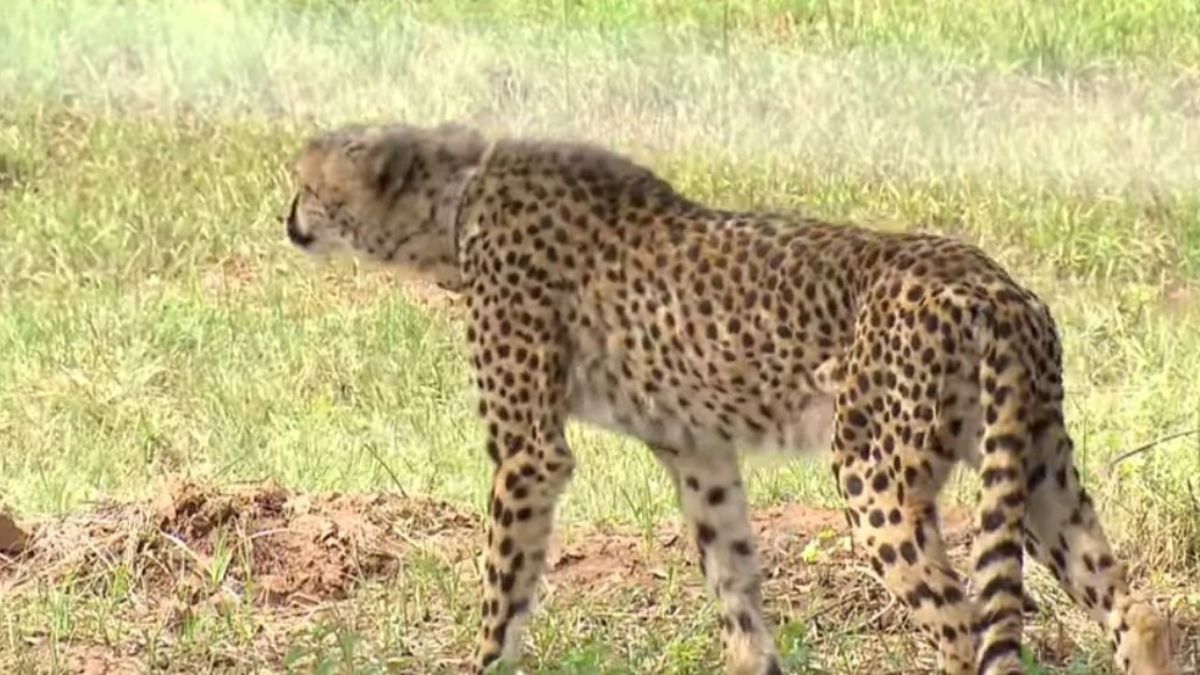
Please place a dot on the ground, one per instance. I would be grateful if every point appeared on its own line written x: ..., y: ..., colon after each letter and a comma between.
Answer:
x: 260, y: 569
x: 157, y: 330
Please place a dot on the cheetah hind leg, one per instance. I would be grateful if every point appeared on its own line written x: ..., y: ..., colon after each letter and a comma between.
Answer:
x: 1065, y: 534
x: 893, y: 516
x: 713, y: 501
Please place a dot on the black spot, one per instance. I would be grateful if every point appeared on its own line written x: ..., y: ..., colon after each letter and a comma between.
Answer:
x: 992, y: 520
x: 518, y: 607
x: 855, y: 418
x: 887, y: 554
x: 876, y: 518
x: 499, y: 631
x: 1035, y: 478
x: 854, y: 486
x: 922, y: 592
x: 880, y: 482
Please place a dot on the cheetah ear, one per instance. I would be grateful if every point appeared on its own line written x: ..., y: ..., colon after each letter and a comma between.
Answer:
x: 389, y: 161
x: 464, y: 142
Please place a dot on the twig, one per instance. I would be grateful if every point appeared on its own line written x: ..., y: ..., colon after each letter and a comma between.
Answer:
x: 391, y: 474
x: 200, y: 561
x: 1151, y: 445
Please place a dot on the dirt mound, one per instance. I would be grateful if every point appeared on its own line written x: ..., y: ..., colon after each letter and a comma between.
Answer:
x: 272, y: 547
x: 263, y: 544
x: 258, y: 542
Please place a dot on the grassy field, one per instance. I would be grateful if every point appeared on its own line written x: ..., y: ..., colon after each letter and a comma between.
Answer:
x: 155, y: 325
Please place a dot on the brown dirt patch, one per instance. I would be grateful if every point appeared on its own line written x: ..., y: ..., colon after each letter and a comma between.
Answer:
x: 259, y: 542
x: 808, y: 563
x: 269, y: 546
x: 292, y: 556
x: 100, y: 660
x: 813, y: 576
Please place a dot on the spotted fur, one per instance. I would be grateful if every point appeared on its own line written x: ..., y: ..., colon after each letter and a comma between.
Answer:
x: 598, y: 292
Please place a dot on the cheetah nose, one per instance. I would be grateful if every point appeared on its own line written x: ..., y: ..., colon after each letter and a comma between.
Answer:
x: 293, y: 228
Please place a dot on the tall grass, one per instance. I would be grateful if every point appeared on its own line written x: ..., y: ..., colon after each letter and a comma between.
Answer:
x: 1106, y: 159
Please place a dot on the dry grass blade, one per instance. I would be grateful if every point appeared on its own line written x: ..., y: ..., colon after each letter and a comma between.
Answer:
x: 1152, y: 445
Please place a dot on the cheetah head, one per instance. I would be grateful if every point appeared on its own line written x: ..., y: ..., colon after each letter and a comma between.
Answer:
x: 386, y: 194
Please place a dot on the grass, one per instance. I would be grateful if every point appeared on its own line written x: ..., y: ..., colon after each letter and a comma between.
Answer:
x: 155, y: 323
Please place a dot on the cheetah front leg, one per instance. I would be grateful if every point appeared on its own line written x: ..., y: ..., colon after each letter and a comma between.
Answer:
x: 521, y: 399
x: 713, y: 502
x: 525, y: 488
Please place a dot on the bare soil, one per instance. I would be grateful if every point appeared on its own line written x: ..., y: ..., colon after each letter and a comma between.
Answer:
x: 278, y: 547
x: 277, y: 550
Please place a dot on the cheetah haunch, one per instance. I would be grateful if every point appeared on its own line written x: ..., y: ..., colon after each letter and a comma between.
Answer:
x: 598, y: 292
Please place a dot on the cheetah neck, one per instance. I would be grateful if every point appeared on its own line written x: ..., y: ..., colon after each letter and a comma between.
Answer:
x: 450, y: 216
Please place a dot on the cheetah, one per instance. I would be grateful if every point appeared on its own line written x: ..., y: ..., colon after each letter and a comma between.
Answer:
x: 597, y: 292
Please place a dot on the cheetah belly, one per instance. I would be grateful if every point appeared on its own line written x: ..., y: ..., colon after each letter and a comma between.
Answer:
x: 693, y: 415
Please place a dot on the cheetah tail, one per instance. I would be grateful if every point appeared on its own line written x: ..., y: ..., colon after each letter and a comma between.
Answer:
x: 1005, y: 396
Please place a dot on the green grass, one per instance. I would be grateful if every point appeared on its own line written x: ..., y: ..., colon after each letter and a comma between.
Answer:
x: 154, y: 321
